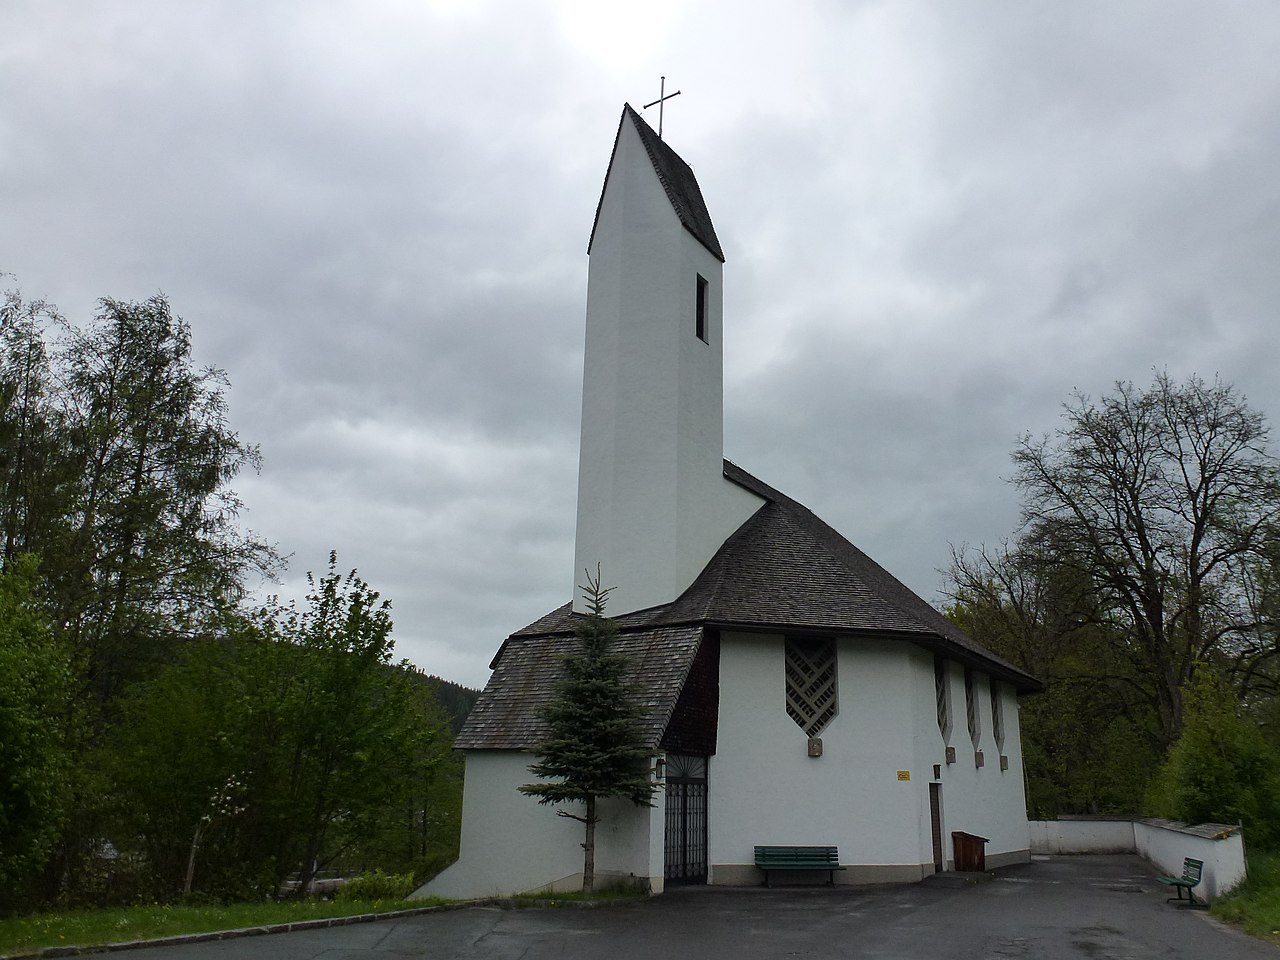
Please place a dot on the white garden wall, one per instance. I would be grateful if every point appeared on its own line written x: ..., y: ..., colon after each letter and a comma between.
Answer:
x: 1164, y: 843
x: 1089, y: 835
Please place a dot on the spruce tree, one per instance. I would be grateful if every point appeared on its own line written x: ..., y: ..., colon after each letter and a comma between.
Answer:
x: 593, y: 749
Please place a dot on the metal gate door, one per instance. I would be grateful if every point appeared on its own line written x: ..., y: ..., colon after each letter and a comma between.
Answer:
x: 686, y: 827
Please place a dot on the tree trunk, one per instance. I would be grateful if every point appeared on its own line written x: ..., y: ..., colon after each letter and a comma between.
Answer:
x: 589, y: 849
x: 191, y: 860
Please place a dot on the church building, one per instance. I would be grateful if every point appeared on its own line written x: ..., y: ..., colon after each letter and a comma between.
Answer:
x: 793, y: 691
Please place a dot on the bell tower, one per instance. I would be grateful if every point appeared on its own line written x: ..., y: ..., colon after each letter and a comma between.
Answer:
x: 653, y: 503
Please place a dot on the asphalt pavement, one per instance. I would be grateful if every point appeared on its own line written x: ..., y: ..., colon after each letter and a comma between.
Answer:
x: 1094, y: 907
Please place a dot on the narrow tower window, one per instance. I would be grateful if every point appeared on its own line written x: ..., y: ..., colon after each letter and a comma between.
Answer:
x: 700, y: 320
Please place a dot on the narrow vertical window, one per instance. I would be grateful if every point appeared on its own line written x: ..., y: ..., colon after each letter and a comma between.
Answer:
x: 943, y: 697
x: 997, y: 717
x: 971, y: 706
x: 700, y: 318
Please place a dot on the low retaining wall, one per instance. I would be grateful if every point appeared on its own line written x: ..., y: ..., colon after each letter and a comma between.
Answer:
x: 1162, y: 842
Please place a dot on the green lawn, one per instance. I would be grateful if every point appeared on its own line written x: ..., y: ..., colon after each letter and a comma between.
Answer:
x: 21, y: 935
x: 1255, y: 904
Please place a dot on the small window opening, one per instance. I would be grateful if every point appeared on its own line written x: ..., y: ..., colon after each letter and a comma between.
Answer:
x: 700, y: 321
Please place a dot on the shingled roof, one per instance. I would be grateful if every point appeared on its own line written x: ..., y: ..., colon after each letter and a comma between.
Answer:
x: 784, y: 570
x: 677, y: 180
x: 508, y: 714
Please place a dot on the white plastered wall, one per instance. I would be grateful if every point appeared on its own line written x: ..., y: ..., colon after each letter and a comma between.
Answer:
x: 511, y: 843
x: 985, y: 800
x: 653, y: 504
x: 765, y: 789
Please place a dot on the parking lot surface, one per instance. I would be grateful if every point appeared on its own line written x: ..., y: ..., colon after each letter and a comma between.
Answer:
x: 1095, y: 907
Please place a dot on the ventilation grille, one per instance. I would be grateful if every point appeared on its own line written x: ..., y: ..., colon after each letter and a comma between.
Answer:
x: 812, y: 696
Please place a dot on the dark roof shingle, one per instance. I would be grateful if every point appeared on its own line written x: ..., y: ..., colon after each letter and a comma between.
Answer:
x: 508, y: 714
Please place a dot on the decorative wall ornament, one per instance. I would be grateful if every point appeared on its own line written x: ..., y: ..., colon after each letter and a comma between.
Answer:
x: 812, y: 694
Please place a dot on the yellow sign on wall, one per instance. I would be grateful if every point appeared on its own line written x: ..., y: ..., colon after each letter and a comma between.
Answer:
x: 904, y: 774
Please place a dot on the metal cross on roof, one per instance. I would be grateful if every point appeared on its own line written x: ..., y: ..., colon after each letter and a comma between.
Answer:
x: 662, y: 95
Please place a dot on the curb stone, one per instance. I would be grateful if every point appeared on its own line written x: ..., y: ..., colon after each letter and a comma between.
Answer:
x: 319, y: 923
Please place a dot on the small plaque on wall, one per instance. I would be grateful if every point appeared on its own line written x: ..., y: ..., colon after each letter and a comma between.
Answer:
x: 904, y: 774
x: 815, y: 746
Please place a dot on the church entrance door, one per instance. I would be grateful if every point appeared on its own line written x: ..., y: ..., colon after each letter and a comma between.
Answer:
x: 686, y: 826
x: 935, y: 821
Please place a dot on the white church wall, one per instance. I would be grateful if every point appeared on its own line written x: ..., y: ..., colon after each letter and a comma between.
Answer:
x: 653, y: 505
x: 511, y: 843
x: 981, y: 800
x: 765, y: 789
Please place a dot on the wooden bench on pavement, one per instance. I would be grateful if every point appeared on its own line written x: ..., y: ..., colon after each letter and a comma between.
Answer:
x: 770, y: 858
x: 1191, y: 870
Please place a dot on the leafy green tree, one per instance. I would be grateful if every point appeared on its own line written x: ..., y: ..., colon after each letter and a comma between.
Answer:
x: 153, y: 546
x: 36, y: 722
x: 593, y: 746
x: 287, y: 744
x: 1221, y: 769
x: 115, y: 467
x: 34, y: 470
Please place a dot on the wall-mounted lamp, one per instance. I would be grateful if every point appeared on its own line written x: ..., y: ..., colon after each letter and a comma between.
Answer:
x: 659, y: 769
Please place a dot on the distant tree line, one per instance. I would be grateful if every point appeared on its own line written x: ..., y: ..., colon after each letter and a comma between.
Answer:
x: 1143, y: 587
x: 454, y: 698
x: 158, y: 735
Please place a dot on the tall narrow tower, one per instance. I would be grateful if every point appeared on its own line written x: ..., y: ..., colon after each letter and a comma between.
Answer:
x: 653, y: 504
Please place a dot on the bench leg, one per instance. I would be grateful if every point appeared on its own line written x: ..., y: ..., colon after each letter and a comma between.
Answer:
x: 1190, y: 897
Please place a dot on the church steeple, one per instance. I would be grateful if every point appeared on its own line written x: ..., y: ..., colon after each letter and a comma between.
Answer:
x: 677, y: 180
x: 653, y: 505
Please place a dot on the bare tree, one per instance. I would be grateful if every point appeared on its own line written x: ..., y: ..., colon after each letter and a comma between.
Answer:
x: 1160, y: 507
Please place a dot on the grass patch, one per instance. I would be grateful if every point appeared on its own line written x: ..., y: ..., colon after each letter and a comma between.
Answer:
x: 1255, y: 904
x: 96, y: 927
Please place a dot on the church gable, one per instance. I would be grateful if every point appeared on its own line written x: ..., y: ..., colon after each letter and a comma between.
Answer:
x: 677, y: 180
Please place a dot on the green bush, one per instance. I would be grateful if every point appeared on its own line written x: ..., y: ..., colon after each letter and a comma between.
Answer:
x: 1221, y: 769
x: 377, y: 886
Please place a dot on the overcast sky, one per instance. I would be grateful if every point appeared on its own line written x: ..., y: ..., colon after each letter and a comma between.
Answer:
x: 938, y: 218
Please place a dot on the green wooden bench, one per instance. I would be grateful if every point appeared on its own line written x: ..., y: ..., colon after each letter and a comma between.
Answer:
x: 769, y: 859
x: 1191, y: 870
